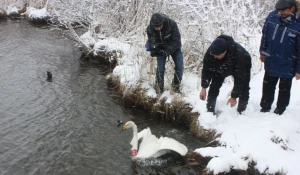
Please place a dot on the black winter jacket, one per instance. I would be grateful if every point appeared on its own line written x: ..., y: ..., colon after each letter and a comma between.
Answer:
x: 236, y: 62
x: 169, y: 35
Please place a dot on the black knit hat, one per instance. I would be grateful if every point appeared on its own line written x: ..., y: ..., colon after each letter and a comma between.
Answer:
x: 218, y: 46
x: 157, y: 19
x: 284, y: 4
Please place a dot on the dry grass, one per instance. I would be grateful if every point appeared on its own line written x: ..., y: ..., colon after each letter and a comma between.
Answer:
x: 2, y: 14
x: 176, y: 112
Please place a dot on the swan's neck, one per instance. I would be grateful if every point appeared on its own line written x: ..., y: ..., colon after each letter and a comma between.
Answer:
x: 134, y: 141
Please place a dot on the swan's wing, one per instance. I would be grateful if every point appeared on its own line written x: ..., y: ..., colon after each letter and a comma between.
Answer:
x: 171, y: 144
x: 148, y: 147
x: 151, y: 146
x: 144, y: 133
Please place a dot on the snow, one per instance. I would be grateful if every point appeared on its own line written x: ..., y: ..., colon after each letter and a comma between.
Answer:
x: 37, y: 13
x: 12, y: 10
x: 110, y: 44
x: 270, y: 140
x: 87, y: 38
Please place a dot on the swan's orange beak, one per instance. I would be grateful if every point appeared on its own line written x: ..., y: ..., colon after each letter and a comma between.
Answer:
x: 124, y: 128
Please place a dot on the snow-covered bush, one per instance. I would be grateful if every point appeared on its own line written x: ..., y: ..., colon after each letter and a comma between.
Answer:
x: 200, y: 22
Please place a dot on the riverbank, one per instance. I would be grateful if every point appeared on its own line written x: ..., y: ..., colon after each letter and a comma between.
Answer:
x: 250, y: 143
x: 216, y: 148
x: 239, y: 142
x: 175, y: 111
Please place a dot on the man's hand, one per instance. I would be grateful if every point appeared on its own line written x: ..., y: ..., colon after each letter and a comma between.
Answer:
x: 232, y: 101
x: 203, y: 94
x: 262, y: 58
x: 297, y: 76
x: 163, y: 53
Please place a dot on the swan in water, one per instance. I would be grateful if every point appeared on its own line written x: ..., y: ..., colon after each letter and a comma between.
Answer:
x: 151, y: 146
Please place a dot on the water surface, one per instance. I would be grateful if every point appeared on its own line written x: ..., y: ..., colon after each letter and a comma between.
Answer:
x: 67, y: 126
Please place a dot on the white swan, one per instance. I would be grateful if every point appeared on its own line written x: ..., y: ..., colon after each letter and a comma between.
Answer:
x: 151, y: 146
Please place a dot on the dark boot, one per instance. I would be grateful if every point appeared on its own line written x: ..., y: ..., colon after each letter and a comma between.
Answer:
x: 159, y: 88
x: 242, y: 106
x: 264, y: 110
x: 211, y: 104
x: 279, y: 111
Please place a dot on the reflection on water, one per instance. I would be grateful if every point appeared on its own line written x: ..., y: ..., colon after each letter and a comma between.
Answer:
x: 67, y: 125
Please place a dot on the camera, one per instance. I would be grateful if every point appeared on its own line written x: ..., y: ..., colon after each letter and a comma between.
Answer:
x: 156, y: 47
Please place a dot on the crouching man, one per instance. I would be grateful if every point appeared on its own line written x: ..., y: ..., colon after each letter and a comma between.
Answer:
x: 223, y: 58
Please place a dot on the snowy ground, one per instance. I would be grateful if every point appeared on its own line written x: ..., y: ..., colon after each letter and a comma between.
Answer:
x: 270, y: 140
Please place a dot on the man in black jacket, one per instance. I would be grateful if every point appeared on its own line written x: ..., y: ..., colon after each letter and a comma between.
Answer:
x: 223, y: 58
x: 163, y: 40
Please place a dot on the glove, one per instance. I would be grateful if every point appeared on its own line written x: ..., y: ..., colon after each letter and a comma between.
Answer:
x: 148, y: 47
x: 163, y: 53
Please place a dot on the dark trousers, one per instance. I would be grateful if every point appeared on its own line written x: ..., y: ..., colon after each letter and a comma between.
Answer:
x: 268, y: 91
x: 214, y: 90
x: 160, y: 71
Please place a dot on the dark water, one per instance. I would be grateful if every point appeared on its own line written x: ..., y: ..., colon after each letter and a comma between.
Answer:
x: 67, y: 126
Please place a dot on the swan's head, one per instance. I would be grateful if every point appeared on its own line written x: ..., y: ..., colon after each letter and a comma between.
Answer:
x: 127, y: 125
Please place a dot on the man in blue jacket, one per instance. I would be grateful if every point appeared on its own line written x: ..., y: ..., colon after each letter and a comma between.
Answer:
x: 164, y: 40
x: 280, y: 52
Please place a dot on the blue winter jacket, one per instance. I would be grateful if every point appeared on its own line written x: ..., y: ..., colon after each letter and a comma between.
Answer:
x: 280, y: 44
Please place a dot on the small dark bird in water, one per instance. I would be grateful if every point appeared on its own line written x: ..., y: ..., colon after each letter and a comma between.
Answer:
x: 120, y: 122
x: 49, y: 76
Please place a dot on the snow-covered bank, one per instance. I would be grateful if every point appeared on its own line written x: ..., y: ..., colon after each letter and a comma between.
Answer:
x: 2, y: 13
x: 33, y: 14
x: 13, y: 10
x: 38, y: 15
x: 271, y: 141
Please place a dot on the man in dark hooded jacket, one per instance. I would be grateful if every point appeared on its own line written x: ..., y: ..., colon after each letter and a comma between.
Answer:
x: 223, y: 58
x: 280, y: 52
x: 163, y: 40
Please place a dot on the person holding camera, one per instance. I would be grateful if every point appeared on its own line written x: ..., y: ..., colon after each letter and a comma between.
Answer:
x: 164, y: 40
